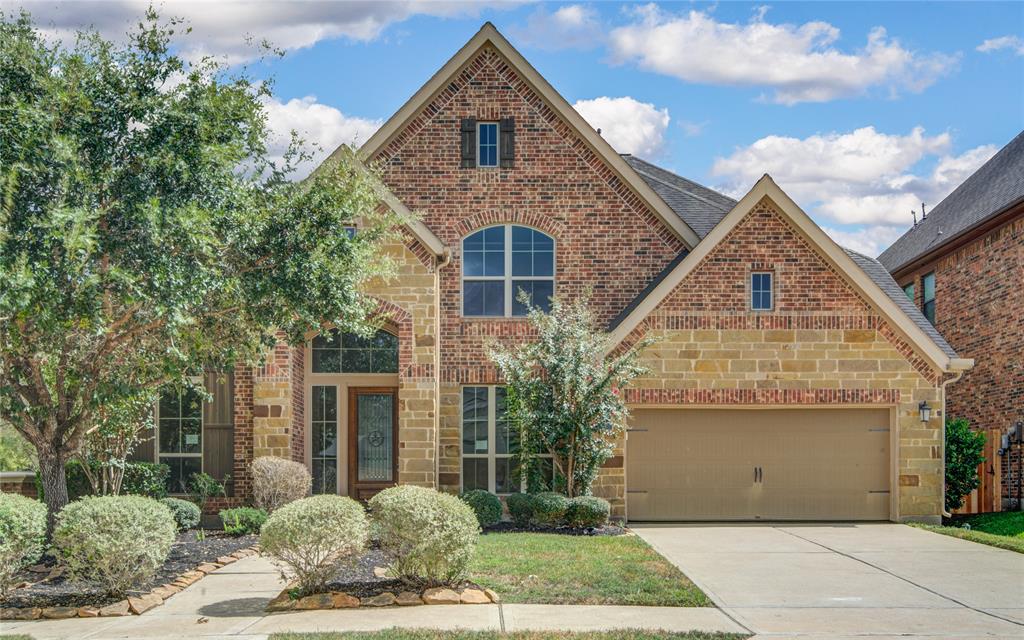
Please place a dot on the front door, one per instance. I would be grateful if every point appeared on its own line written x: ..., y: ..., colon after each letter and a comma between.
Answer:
x: 372, y: 440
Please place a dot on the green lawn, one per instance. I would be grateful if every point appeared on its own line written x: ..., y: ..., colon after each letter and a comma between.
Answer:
x: 542, y: 568
x: 1004, y: 530
x: 430, y: 634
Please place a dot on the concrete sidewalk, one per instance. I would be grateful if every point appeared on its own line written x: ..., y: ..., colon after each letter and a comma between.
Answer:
x: 229, y: 604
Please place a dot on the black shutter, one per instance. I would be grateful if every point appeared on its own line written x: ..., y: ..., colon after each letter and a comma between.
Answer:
x: 468, y: 143
x: 507, y: 143
x: 219, y: 427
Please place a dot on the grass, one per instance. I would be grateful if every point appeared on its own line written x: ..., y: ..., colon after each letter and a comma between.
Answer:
x: 1004, y: 530
x: 432, y: 634
x: 543, y: 568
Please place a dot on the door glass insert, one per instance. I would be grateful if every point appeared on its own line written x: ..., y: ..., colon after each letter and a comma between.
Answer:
x: 325, y: 439
x: 375, y: 453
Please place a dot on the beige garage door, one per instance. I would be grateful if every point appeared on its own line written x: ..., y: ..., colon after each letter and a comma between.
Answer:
x: 762, y: 464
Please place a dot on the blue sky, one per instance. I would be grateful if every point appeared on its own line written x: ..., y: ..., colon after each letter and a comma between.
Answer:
x: 859, y: 110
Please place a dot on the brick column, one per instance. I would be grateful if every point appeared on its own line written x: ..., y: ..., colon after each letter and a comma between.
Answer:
x: 272, y: 404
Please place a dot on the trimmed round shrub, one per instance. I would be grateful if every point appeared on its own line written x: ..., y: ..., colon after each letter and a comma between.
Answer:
x: 549, y: 509
x: 587, y: 511
x: 486, y: 505
x: 242, y: 521
x: 22, y: 536
x: 114, y: 542
x: 430, y: 535
x: 520, y: 507
x: 276, y: 482
x: 186, y: 514
x: 312, y: 539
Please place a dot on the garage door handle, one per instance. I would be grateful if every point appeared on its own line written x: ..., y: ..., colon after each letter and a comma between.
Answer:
x: 636, y: 491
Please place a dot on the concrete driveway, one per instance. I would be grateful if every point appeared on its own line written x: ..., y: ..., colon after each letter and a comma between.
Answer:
x: 835, y: 580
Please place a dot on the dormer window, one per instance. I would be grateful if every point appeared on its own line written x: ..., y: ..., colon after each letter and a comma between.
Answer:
x: 487, y: 144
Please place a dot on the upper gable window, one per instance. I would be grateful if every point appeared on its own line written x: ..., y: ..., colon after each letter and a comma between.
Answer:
x: 928, y: 296
x: 498, y: 263
x: 487, y: 144
x: 761, y: 291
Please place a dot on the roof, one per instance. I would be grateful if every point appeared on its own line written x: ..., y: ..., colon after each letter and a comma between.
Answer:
x: 878, y: 273
x: 865, y: 275
x: 991, y: 190
x: 488, y: 35
x: 699, y: 207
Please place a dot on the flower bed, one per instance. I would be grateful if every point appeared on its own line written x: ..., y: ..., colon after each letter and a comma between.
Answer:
x: 46, y: 593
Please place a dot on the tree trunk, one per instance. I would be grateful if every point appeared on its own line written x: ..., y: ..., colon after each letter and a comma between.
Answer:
x: 55, y: 487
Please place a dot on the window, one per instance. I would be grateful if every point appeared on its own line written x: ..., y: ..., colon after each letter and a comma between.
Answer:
x: 928, y: 297
x: 336, y: 352
x: 498, y: 263
x: 350, y: 232
x: 487, y: 144
x: 490, y: 444
x: 908, y: 289
x: 761, y: 291
x: 324, y: 423
x: 180, y: 435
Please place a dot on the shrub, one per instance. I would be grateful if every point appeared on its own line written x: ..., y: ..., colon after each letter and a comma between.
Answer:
x: 202, y: 486
x: 22, y: 536
x: 587, y: 511
x: 186, y: 514
x: 276, y: 482
x: 313, y: 538
x: 964, y: 452
x: 549, y: 509
x: 520, y: 507
x: 115, y: 542
x: 140, y: 479
x: 486, y: 505
x: 430, y: 535
x: 241, y: 521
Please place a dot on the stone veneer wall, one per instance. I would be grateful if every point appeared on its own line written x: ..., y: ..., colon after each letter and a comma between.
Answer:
x: 821, y: 345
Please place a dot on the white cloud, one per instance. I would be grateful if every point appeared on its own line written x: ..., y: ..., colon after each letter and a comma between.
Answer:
x: 1013, y: 43
x: 322, y: 126
x: 859, y: 177
x: 799, y: 63
x: 870, y: 241
x: 573, y: 26
x: 221, y: 27
x: 692, y: 129
x: 629, y: 125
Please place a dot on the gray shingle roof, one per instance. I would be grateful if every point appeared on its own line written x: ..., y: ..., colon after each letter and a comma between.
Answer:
x: 998, y: 184
x: 699, y: 207
x: 878, y: 273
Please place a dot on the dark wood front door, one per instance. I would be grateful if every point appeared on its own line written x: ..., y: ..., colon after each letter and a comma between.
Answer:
x: 372, y: 440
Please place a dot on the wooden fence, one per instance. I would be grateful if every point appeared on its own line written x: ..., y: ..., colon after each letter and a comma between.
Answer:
x: 988, y: 496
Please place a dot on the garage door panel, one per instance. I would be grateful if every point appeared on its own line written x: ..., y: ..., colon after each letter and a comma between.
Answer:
x: 728, y: 464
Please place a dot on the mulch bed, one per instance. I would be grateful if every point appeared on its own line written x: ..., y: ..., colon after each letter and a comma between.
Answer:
x: 186, y: 554
x: 511, y: 527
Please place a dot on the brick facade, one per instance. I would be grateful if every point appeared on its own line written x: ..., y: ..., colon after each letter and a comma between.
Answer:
x: 979, y: 309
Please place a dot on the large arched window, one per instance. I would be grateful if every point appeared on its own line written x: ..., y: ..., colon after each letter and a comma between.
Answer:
x: 500, y: 262
x: 336, y: 352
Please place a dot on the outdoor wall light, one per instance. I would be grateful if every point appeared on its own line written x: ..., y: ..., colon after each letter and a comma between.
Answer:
x: 925, y: 410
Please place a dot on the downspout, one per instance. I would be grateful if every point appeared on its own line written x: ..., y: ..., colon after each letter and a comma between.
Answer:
x: 963, y: 366
x: 446, y: 259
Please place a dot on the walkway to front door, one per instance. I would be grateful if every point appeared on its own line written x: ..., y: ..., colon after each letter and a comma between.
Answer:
x: 849, y: 579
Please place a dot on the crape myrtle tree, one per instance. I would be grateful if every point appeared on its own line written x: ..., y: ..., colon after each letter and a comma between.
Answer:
x: 564, y: 392
x: 146, y: 234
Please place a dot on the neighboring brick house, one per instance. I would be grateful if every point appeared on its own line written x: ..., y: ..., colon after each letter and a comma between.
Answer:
x: 789, y: 377
x: 963, y: 266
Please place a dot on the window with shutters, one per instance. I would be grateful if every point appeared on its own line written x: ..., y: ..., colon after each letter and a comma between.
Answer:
x: 499, y: 264
x: 487, y: 144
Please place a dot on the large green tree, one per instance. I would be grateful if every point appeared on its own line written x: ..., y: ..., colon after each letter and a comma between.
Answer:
x: 145, y: 233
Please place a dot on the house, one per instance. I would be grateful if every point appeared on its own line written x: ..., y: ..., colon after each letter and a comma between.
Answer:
x: 963, y: 266
x: 792, y: 378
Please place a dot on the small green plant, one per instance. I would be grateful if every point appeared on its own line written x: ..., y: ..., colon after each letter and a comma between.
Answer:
x: 242, y: 521
x: 964, y: 452
x: 486, y: 505
x: 587, y: 511
x: 203, y: 486
x: 549, y: 509
x: 22, y: 536
x: 186, y: 514
x: 520, y: 508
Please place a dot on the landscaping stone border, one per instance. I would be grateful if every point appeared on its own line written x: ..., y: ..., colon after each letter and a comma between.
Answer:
x: 133, y: 605
x: 341, y: 600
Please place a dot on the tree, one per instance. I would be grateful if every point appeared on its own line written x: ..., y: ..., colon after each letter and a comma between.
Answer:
x: 564, y: 393
x: 119, y: 427
x: 145, y: 232
x: 964, y: 452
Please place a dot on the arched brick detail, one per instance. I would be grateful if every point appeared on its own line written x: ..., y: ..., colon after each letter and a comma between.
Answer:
x: 402, y: 321
x: 483, y: 219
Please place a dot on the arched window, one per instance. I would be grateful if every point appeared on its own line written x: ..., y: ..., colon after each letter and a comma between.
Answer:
x: 336, y: 352
x: 500, y: 262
